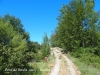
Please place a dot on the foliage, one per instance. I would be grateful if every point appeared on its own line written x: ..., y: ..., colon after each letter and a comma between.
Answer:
x: 54, y: 40
x: 77, y: 26
x: 83, y: 66
x: 12, y: 47
x: 16, y: 50
x: 37, y: 45
x: 45, y: 46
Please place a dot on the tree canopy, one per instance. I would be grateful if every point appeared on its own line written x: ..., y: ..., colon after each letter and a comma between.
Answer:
x: 45, y: 46
x: 16, y: 49
x: 78, y: 25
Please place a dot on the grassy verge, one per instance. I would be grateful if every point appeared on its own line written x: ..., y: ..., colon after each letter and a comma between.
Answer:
x: 43, y: 66
x: 83, y: 67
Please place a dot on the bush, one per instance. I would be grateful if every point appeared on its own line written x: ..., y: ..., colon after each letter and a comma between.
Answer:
x: 38, y: 57
x: 88, y: 56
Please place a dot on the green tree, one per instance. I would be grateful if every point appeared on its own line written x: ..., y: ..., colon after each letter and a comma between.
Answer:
x: 15, y: 48
x: 31, y: 51
x: 12, y: 48
x: 77, y: 25
x: 45, y: 47
x: 38, y: 46
x: 17, y: 25
x: 54, y: 42
x: 70, y: 30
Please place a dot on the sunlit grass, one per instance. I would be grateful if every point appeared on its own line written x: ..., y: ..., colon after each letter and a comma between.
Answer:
x: 43, y: 66
x: 84, y: 68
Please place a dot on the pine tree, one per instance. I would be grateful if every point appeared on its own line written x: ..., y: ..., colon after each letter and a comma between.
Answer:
x: 45, y: 46
x: 77, y: 25
x: 14, y: 49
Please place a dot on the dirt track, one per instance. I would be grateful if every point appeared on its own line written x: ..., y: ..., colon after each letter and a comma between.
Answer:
x: 56, y: 68
x: 71, y: 69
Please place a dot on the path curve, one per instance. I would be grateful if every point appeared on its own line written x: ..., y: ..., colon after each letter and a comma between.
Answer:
x: 71, y: 68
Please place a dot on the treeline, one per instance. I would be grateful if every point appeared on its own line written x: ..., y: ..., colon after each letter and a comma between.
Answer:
x: 16, y: 48
x: 78, y: 31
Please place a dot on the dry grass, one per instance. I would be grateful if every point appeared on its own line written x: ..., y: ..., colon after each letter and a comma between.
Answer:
x: 51, y: 64
x: 63, y: 67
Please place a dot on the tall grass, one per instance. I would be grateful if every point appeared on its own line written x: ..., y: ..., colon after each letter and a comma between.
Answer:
x: 83, y: 67
x: 42, y: 66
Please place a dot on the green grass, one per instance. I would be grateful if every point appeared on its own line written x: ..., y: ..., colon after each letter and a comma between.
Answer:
x: 83, y: 67
x: 51, y: 59
x: 43, y: 66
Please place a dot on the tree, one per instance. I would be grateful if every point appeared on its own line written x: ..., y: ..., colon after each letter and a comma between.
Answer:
x: 54, y: 42
x: 70, y: 29
x: 15, y: 47
x: 17, y: 25
x: 12, y: 48
x: 38, y: 46
x: 78, y: 25
x: 45, y: 46
x: 31, y: 51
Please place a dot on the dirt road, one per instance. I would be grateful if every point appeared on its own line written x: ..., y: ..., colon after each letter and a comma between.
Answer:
x: 56, y: 68
x: 71, y: 69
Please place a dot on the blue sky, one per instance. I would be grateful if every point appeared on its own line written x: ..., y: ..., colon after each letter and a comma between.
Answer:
x: 37, y: 16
